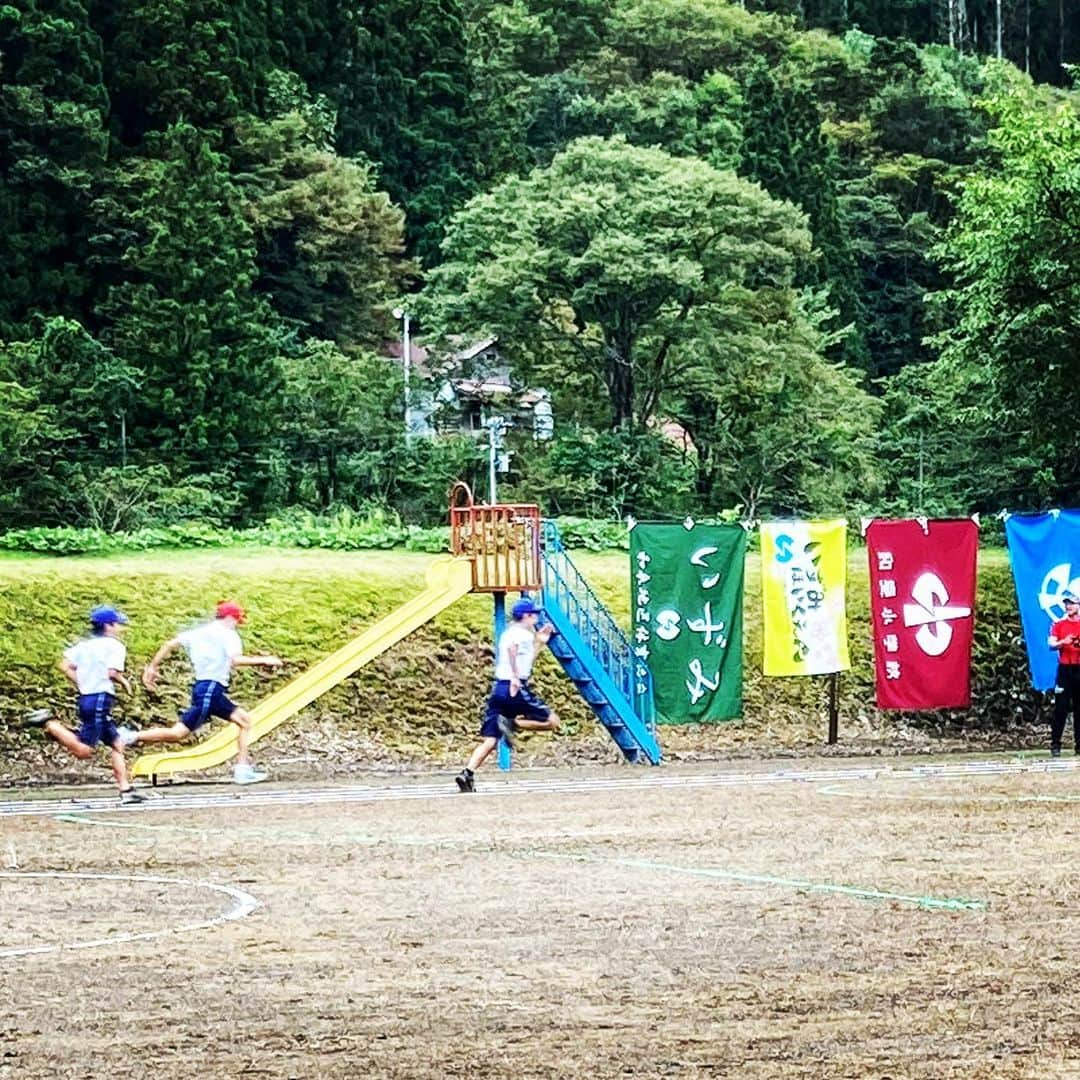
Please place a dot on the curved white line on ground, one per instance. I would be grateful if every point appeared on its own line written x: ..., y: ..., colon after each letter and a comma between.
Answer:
x: 235, y: 800
x: 725, y: 874
x: 243, y: 905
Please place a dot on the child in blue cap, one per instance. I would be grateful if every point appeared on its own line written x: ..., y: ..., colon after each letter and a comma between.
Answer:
x: 95, y: 665
x: 512, y: 706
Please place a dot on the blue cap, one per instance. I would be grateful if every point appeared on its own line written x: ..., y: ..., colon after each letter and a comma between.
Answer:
x: 524, y: 607
x: 102, y: 616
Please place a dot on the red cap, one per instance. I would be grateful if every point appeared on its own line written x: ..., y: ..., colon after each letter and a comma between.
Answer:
x: 229, y: 608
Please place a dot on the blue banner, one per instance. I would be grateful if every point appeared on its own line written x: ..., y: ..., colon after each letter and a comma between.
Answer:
x: 1042, y: 549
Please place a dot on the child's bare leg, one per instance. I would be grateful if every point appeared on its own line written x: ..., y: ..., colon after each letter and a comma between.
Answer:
x: 177, y: 733
x: 68, y: 740
x: 242, y: 719
x: 481, y: 753
x: 119, y: 767
x: 550, y: 724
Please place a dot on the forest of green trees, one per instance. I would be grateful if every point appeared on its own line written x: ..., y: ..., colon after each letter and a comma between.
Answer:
x: 836, y: 242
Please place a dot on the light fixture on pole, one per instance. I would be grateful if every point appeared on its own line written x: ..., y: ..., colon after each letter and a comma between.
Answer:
x: 406, y: 358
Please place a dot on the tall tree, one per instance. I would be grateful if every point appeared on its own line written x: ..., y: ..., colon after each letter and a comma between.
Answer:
x: 694, y: 37
x: 1014, y: 249
x: 186, y: 313
x: 61, y: 396
x: 776, y: 427
x: 785, y: 150
x: 329, y: 245
x: 945, y: 450
x: 53, y: 144
x: 700, y: 120
x: 408, y: 109
x: 203, y: 62
x: 603, y: 265
x: 916, y: 130
x: 337, y: 409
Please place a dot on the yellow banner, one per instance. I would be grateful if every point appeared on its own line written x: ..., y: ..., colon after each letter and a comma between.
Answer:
x: 803, y: 579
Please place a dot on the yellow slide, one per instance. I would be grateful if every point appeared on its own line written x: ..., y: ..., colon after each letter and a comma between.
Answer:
x: 448, y: 579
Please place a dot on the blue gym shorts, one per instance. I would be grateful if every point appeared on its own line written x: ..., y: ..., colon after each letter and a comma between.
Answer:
x: 524, y: 703
x: 95, y: 723
x: 207, y: 699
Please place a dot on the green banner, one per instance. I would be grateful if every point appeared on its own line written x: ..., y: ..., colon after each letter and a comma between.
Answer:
x: 687, y: 599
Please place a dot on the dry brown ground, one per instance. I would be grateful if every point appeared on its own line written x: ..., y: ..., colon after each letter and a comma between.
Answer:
x: 560, y: 935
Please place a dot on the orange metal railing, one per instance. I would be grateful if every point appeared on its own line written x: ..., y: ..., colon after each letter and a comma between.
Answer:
x: 502, y: 540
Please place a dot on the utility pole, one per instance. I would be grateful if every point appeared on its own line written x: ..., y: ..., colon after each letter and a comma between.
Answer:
x: 406, y: 361
x: 496, y: 426
x: 922, y: 475
x: 1027, y: 37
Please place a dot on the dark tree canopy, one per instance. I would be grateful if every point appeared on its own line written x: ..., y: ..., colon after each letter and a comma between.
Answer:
x: 830, y: 246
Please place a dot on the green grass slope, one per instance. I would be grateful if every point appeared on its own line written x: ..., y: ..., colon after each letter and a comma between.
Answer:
x: 421, y: 700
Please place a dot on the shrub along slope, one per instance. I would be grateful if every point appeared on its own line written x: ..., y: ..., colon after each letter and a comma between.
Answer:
x: 420, y: 701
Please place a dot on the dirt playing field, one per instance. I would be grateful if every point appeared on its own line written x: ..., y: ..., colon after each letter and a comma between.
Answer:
x: 725, y: 921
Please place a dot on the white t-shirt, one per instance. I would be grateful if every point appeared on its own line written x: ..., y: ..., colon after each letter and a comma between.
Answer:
x: 212, y: 648
x: 94, y: 658
x: 525, y: 640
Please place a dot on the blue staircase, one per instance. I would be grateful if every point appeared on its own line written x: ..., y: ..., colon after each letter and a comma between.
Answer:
x: 596, y: 654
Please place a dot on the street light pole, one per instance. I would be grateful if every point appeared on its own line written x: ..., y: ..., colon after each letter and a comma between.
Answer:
x: 406, y: 359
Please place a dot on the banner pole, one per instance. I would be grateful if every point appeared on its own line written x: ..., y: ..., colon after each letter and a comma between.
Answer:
x: 834, y: 707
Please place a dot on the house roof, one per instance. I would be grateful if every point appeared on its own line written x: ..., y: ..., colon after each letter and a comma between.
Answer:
x: 418, y: 355
x: 475, y: 349
x: 491, y: 383
x: 423, y: 359
x: 495, y: 384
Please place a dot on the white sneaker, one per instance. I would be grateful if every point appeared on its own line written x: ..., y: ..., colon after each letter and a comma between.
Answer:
x: 248, y: 774
x: 36, y: 719
x: 127, y: 736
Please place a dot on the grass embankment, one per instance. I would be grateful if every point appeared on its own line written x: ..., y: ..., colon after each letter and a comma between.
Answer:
x: 420, y: 701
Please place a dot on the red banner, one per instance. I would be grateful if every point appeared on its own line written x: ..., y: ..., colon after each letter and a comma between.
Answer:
x: 922, y: 610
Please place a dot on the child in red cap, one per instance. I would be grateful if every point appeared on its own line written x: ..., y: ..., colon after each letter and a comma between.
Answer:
x: 214, y: 650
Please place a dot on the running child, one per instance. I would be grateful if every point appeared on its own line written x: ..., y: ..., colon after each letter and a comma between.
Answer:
x: 512, y: 706
x: 214, y: 649
x: 95, y: 665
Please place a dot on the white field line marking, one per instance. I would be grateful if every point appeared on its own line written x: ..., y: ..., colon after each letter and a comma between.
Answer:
x: 243, y: 905
x: 944, y: 903
x: 338, y: 838
x: 367, y: 794
x: 731, y: 876
x: 839, y: 791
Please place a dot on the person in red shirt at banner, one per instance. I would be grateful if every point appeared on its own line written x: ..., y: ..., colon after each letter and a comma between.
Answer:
x: 1065, y: 638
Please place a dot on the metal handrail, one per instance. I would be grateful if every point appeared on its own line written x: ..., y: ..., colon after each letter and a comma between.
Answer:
x: 594, y: 622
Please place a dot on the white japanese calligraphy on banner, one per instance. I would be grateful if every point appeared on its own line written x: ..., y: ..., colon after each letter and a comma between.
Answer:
x: 687, y: 613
